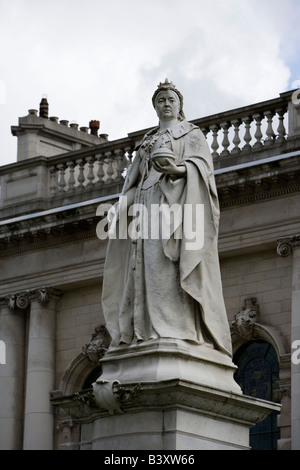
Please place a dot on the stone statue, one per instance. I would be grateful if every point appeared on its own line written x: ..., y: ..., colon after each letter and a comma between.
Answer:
x: 159, y: 285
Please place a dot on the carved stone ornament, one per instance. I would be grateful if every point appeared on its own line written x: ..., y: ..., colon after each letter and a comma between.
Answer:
x: 110, y: 395
x: 78, y: 406
x: 22, y: 300
x: 19, y: 301
x: 285, y: 245
x: 43, y: 296
x: 244, y: 321
x: 104, y: 397
x: 98, y: 345
x: 11, y: 301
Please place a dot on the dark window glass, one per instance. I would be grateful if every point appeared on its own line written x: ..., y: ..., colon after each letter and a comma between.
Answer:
x: 258, y: 375
x: 92, y: 377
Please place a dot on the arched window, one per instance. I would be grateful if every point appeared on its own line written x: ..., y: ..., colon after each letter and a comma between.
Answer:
x: 258, y: 375
x: 92, y: 377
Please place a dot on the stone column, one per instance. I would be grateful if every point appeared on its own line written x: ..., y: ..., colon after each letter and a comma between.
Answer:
x: 12, y: 334
x: 40, y: 380
x: 285, y: 247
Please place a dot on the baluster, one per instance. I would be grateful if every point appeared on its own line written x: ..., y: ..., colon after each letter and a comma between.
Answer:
x: 90, y: 175
x: 205, y: 131
x: 270, y: 133
x: 236, y: 139
x: 120, y: 163
x: 215, y: 128
x: 80, y: 177
x: 71, y: 181
x: 109, y: 170
x: 258, y: 133
x: 100, y: 172
x: 247, y: 137
x: 225, y: 143
x: 61, y: 177
x: 281, y: 129
x: 53, y: 180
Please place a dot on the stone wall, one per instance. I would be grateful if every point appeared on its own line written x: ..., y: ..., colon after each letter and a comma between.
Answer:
x: 264, y: 276
x: 78, y: 315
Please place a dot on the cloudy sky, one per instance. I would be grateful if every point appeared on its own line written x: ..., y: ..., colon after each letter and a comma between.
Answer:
x: 100, y: 59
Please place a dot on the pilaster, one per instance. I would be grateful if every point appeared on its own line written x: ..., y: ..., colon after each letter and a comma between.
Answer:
x: 12, y: 332
x: 40, y: 379
x: 287, y: 246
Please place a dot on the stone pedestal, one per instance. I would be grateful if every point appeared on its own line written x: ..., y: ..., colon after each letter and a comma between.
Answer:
x: 165, y: 395
x: 177, y: 415
x: 164, y: 359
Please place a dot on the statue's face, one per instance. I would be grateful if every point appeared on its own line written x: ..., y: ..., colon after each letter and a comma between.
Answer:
x: 167, y: 105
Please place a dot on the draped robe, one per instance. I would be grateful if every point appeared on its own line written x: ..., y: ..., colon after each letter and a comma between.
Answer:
x: 158, y: 287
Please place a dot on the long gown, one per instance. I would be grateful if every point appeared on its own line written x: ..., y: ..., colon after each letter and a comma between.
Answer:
x: 156, y: 287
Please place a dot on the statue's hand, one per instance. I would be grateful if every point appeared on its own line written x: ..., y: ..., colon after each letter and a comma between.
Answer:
x: 170, y: 168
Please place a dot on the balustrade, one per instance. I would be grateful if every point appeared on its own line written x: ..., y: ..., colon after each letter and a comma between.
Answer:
x: 244, y: 133
x: 235, y: 136
x: 89, y: 172
x: 228, y: 134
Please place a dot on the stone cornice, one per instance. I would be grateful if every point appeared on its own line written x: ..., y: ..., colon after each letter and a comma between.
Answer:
x: 20, y: 243
x: 48, y: 230
x: 263, y: 181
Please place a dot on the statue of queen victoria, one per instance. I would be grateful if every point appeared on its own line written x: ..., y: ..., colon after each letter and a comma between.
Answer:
x: 159, y: 286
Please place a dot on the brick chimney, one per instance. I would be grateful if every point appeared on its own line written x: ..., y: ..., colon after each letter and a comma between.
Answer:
x: 44, y: 108
x: 94, y: 126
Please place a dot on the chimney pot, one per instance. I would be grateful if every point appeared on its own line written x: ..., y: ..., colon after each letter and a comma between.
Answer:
x: 44, y: 108
x: 94, y: 126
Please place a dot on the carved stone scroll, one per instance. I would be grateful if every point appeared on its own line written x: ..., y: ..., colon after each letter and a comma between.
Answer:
x: 286, y: 245
x: 22, y: 300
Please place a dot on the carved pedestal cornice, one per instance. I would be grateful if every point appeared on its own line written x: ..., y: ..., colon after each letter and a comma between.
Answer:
x: 82, y: 406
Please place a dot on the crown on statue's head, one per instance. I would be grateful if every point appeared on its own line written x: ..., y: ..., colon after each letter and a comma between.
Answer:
x: 165, y: 86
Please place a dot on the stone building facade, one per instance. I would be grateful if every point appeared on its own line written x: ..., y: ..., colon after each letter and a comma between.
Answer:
x: 52, y: 331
